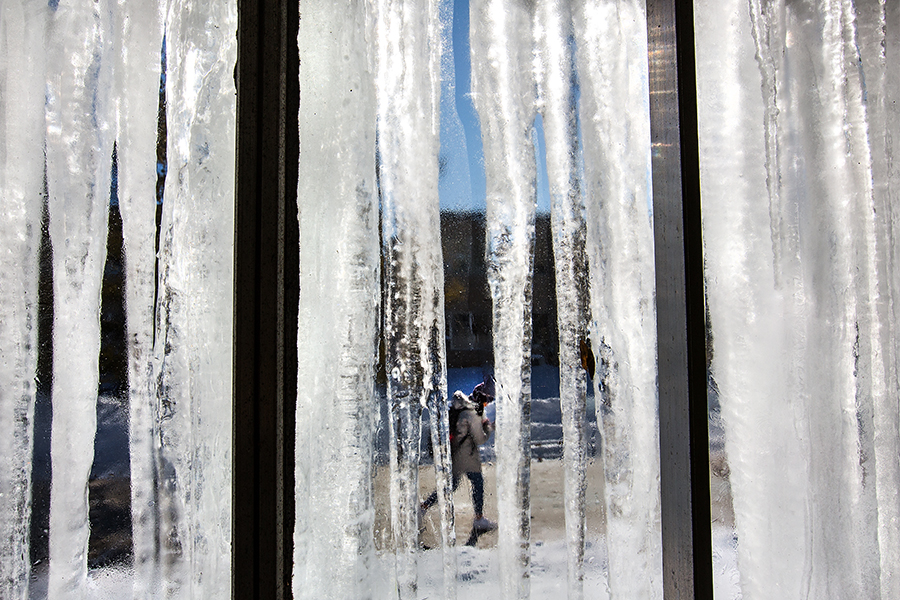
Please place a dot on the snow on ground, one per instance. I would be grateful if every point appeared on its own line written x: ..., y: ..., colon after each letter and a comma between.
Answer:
x: 478, y: 575
x: 478, y: 566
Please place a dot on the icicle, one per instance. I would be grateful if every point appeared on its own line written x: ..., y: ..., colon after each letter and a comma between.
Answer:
x: 801, y: 333
x: 503, y: 89
x: 194, y: 329
x: 881, y: 94
x: 831, y: 229
x: 751, y: 360
x: 79, y: 152
x: 868, y: 374
x: 887, y: 170
x: 766, y: 20
x: 139, y: 25
x: 339, y: 306
x: 557, y: 101
x: 611, y: 40
x: 22, y: 94
x: 407, y: 86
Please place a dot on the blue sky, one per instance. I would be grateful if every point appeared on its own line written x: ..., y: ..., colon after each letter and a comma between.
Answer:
x: 462, y: 184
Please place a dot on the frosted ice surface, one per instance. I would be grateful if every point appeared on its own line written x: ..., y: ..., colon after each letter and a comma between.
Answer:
x: 193, y: 350
x: 80, y: 121
x: 503, y: 90
x: 611, y: 41
x: 139, y: 29
x: 339, y: 306
x: 744, y: 311
x: 22, y: 91
x: 878, y: 41
x: 795, y: 257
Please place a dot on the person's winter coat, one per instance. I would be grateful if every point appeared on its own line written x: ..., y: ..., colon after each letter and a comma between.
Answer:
x: 472, y: 431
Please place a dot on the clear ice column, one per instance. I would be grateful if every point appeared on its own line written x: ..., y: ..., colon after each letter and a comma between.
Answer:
x: 611, y: 41
x: 80, y: 121
x: 556, y: 74
x: 850, y: 211
x: 140, y: 30
x: 860, y: 35
x: 504, y: 93
x: 819, y: 123
x: 22, y: 93
x: 193, y: 351
x: 340, y: 299
x: 408, y: 88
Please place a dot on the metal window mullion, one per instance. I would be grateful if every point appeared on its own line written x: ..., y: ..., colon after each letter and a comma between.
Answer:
x: 265, y: 301
x: 681, y: 315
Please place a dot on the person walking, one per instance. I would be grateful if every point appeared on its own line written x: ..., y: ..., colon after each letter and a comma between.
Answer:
x: 469, y: 429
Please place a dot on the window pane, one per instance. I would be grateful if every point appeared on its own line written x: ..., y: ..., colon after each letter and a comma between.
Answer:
x: 475, y: 208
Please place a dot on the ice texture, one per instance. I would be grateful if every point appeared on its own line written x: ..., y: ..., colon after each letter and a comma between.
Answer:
x: 193, y: 346
x: 74, y: 78
x: 798, y: 230
x: 611, y: 41
x: 339, y: 305
x: 750, y: 362
x: 408, y: 47
x: 80, y: 121
x: 503, y: 88
x: 139, y: 27
x: 22, y: 92
x: 557, y: 102
x: 884, y: 113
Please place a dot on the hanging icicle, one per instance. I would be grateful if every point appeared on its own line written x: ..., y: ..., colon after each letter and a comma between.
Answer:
x: 798, y: 257
x: 22, y: 92
x: 339, y: 306
x: 80, y: 123
x: 194, y: 334
x: 611, y: 42
x: 407, y: 89
x: 557, y: 102
x: 140, y: 34
x: 503, y: 90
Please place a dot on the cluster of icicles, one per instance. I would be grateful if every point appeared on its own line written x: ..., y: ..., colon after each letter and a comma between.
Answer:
x: 798, y: 228
x: 78, y: 78
x: 799, y: 122
x: 370, y: 81
x: 82, y: 78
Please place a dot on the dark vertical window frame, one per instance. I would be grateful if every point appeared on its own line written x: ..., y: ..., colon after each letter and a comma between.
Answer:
x: 680, y: 301
x: 266, y: 289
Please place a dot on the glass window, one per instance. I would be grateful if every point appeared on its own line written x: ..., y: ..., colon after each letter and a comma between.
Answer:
x: 472, y: 201
x: 476, y: 378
